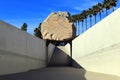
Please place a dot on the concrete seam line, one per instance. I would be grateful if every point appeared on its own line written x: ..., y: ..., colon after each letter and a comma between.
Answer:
x: 20, y: 55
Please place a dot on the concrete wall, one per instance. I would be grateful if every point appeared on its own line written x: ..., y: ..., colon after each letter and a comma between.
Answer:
x: 65, y: 49
x: 20, y: 51
x: 98, y: 48
x: 51, y: 48
x: 60, y: 57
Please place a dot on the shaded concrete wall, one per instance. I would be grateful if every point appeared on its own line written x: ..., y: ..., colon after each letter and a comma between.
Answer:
x: 51, y: 48
x: 60, y: 57
x: 20, y: 51
x: 98, y: 48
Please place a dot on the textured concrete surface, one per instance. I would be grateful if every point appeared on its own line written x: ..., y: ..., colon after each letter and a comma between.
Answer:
x: 20, y: 51
x: 98, y: 49
x: 50, y: 49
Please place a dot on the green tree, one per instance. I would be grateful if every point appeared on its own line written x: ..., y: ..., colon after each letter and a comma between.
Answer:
x: 37, y: 32
x: 24, y: 27
x: 73, y: 18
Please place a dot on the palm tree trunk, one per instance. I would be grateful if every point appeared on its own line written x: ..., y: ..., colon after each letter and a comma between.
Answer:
x: 113, y: 9
x: 100, y: 15
x: 106, y: 12
x: 76, y: 24
x: 90, y: 21
x: 95, y: 19
x: 82, y: 27
x: 86, y: 23
x: 78, y: 27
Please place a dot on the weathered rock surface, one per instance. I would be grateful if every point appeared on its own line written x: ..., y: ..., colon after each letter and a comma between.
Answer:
x: 58, y: 27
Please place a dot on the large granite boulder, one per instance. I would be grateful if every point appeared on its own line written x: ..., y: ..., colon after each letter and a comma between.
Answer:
x: 58, y: 27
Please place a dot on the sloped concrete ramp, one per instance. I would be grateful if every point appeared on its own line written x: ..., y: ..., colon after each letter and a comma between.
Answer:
x: 59, y: 73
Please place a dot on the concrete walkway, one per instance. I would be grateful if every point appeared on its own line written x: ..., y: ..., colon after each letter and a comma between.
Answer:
x: 52, y: 73
x: 58, y: 73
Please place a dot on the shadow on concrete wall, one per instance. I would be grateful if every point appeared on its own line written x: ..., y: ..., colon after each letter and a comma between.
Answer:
x: 61, y: 59
x: 60, y: 67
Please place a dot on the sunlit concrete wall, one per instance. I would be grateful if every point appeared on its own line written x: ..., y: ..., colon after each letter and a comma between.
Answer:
x: 65, y: 49
x: 98, y: 49
x: 20, y: 51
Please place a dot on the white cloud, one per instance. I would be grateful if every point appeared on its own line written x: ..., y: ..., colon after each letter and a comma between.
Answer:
x: 87, y: 4
x: 78, y: 8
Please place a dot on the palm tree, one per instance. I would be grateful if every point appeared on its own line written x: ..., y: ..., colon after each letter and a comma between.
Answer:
x: 79, y: 20
x: 74, y: 19
x: 90, y: 12
x: 85, y: 14
x: 113, y: 3
x: 100, y: 9
x: 107, y: 6
x: 82, y: 25
x: 82, y: 19
x: 77, y: 23
x: 95, y: 11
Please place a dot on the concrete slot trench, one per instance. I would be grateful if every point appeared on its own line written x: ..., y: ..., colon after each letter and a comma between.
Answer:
x: 100, y: 61
x: 60, y: 67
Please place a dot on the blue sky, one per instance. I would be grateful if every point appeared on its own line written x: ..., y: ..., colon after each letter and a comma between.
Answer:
x: 16, y: 12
